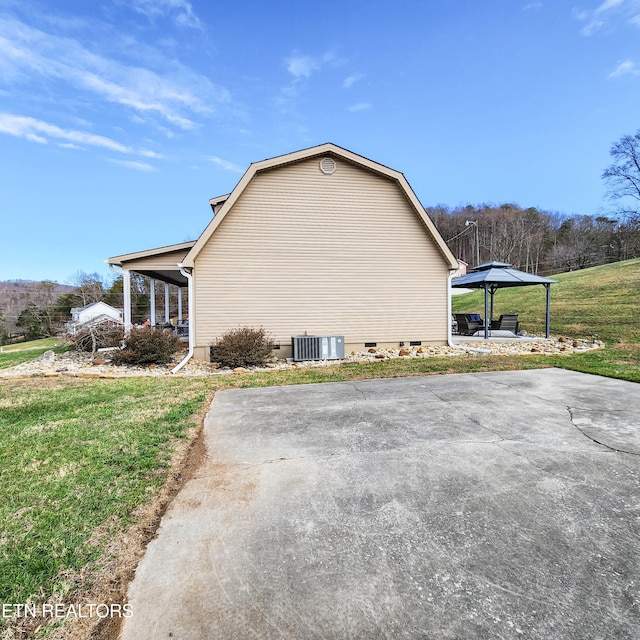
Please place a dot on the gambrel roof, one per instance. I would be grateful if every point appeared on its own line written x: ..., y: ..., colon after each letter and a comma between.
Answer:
x: 223, y: 204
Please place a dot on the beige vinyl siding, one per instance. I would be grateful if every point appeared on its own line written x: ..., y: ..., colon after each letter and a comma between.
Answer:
x: 301, y: 251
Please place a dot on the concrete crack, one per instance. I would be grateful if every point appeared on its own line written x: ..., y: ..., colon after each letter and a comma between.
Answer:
x: 586, y: 435
x: 360, y: 391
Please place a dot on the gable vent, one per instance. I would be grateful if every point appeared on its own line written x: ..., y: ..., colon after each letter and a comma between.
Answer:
x: 327, y: 166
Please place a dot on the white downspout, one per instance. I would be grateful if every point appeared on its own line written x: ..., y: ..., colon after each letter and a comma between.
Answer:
x: 450, y: 277
x: 450, y: 342
x: 191, y: 303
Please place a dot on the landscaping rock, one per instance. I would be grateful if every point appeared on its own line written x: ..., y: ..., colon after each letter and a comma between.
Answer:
x: 75, y: 364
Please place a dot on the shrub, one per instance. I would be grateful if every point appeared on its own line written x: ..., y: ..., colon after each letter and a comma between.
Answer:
x: 243, y: 347
x: 97, y: 337
x: 147, y: 346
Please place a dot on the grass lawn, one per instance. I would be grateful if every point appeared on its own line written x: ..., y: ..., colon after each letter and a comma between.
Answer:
x: 77, y: 457
x: 13, y: 354
x: 80, y: 458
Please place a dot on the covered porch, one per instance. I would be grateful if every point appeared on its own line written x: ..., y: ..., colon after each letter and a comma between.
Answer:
x: 168, y: 287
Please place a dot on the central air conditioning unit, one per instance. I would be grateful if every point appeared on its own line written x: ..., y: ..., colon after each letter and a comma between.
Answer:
x: 317, y: 348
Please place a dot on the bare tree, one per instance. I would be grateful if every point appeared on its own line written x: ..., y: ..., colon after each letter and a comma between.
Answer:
x: 623, y: 175
x: 90, y: 287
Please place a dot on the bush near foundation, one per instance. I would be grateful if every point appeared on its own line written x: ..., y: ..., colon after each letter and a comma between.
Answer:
x: 243, y: 347
x: 147, y: 346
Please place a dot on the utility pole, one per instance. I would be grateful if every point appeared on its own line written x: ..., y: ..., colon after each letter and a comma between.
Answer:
x: 475, y: 224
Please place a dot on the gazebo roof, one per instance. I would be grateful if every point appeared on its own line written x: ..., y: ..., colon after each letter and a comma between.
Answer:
x: 498, y: 274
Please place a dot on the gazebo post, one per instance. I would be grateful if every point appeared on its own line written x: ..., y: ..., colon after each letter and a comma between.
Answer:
x: 486, y: 321
x: 548, y: 314
x: 492, y: 291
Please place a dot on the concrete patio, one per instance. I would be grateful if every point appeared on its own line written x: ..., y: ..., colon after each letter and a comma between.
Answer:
x: 493, y: 505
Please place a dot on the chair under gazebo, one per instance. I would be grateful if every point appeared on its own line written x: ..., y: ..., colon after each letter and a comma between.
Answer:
x: 492, y: 276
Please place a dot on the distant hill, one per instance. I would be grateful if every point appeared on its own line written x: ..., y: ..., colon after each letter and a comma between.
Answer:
x: 603, y: 300
x: 31, y: 285
x: 16, y: 295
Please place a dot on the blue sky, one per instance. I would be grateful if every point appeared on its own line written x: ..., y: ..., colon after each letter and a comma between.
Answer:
x: 119, y: 119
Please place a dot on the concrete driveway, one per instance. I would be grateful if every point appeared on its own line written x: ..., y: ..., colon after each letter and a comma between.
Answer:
x: 492, y: 505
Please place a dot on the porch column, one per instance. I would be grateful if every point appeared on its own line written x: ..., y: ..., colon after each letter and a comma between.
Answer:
x: 166, y: 302
x: 152, y: 301
x: 126, y: 298
x: 180, y: 304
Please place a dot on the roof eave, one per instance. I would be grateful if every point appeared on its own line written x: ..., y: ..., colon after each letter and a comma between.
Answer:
x: 119, y: 261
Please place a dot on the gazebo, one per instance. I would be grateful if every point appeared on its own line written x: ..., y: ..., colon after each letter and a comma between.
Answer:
x: 491, y: 276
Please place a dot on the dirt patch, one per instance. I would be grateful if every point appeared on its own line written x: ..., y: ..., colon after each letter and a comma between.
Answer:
x: 108, y: 583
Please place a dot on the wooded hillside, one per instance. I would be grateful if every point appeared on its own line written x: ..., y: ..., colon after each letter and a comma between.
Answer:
x: 536, y: 241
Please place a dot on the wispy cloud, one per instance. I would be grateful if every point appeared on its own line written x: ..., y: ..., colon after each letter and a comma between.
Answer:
x: 360, y: 106
x: 175, y: 94
x: 70, y: 145
x: 180, y: 11
x: 147, y: 153
x: 225, y: 164
x: 38, y: 131
x: 532, y: 5
x: 626, y: 68
x: 133, y: 164
x: 608, y: 4
x: 596, y: 19
x: 302, y: 66
x: 349, y: 81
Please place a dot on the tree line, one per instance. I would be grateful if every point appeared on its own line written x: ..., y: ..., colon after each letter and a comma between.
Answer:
x: 535, y: 241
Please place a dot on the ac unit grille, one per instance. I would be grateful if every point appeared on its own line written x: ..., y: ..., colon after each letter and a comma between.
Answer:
x: 317, y: 348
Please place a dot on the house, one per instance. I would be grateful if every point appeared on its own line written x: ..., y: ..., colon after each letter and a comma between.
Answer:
x: 93, y: 314
x: 320, y: 242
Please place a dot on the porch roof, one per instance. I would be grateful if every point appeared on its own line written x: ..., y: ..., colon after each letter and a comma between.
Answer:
x: 160, y: 263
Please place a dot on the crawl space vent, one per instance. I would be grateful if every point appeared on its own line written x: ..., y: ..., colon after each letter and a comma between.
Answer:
x: 327, y: 166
